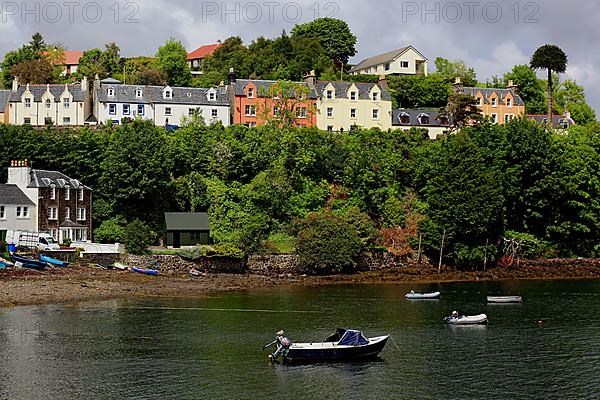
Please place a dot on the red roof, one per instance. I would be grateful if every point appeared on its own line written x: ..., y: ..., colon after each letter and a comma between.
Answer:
x: 72, y: 57
x: 202, y: 52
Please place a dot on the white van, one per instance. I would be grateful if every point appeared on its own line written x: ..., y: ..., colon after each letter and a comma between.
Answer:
x: 39, y: 240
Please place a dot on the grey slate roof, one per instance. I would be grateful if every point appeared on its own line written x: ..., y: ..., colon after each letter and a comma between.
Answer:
x: 187, y: 221
x: 487, y: 92
x: 42, y: 179
x: 11, y: 194
x: 557, y: 120
x: 154, y: 95
x: 383, y: 58
x: 262, y: 86
x: 56, y: 90
x: 4, y: 98
x: 342, y: 89
x: 413, y: 117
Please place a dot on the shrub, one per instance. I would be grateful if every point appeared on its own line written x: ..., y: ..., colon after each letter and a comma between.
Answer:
x: 527, y: 246
x: 111, y: 231
x: 138, y: 237
x: 327, y: 244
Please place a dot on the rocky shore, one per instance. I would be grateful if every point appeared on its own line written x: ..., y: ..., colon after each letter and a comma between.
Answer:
x: 88, y: 283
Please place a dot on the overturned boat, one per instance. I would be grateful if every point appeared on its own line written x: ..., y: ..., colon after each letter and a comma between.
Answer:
x: 343, y: 345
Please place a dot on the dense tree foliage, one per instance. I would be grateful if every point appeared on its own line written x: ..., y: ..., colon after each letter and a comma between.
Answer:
x: 334, y: 35
x: 171, y: 60
x: 554, y: 60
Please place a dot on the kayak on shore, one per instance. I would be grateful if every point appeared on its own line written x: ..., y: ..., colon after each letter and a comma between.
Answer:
x: 145, y: 271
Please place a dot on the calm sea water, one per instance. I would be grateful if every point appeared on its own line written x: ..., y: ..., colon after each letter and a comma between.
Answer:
x: 210, y: 348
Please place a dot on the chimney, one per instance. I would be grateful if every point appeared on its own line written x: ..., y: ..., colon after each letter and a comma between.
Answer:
x: 457, y: 87
x: 84, y: 84
x: 382, y: 82
x: 15, y: 84
x: 311, y: 79
x: 19, y: 173
x: 231, y: 77
x: 513, y: 88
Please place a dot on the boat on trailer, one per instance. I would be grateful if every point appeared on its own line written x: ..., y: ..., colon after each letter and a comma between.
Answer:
x: 453, y: 319
x: 343, y: 345
x: 412, y: 295
x: 504, y: 299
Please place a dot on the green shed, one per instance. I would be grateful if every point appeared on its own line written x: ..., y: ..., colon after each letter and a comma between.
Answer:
x: 187, y: 229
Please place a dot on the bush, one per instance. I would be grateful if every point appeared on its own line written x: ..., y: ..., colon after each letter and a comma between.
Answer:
x: 327, y: 244
x: 67, y: 242
x: 530, y: 246
x: 111, y: 231
x: 138, y: 237
x: 218, y: 250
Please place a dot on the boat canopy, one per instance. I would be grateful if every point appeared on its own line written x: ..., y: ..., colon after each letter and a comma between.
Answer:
x: 353, y: 338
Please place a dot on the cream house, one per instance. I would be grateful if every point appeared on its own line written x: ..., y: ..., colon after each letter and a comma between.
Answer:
x: 343, y: 106
x: 38, y: 105
x: 404, y: 61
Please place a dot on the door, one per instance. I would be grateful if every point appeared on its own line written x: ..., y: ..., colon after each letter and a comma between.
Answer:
x: 176, y: 240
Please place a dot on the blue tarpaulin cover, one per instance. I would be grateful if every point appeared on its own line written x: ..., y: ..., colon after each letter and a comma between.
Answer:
x: 353, y: 338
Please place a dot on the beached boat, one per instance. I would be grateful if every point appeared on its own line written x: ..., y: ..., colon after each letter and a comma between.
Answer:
x: 5, y: 263
x: 53, y: 261
x: 145, y: 271
x: 121, y: 267
x: 343, y: 345
x: 504, y: 299
x: 456, y: 319
x: 422, y: 296
x: 194, y: 272
x: 25, y: 262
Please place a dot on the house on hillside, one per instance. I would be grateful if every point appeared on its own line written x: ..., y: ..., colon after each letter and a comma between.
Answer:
x: 499, y: 105
x: 559, y: 122
x: 62, y: 206
x: 187, y: 229
x: 40, y: 105
x: 163, y: 105
x: 404, y: 61
x: 17, y: 211
x: 194, y: 58
x: 343, y: 106
x: 428, y: 119
x: 70, y: 61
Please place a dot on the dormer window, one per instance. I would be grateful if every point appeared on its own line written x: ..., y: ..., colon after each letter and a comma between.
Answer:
x: 479, y: 101
x: 138, y: 93
x: 352, y: 95
x: 66, y: 102
x: 212, y: 96
x: 564, y: 124
x: 424, y: 119
x: 329, y: 94
x: 250, y: 93
x: 494, y: 102
x: 508, y: 102
x: 27, y: 103
x: 443, y: 120
x: 375, y: 96
x: 168, y: 94
x: 48, y: 104
x: 404, y: 119
x: 110, y: 92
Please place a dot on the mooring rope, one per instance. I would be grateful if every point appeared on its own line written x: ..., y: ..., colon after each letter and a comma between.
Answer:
x: 393, y: 341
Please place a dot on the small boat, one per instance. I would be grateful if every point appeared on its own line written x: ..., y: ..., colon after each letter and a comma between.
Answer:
x: 456, y: 319
x: 504, y: 299
x: 53, y: 261
x: 412, y: 295
x: 194, y: 272
x: 25, y: 262
x: 6, y: 263
x: 121, y: 267
x: 145, y: 271
x: 343, y: 345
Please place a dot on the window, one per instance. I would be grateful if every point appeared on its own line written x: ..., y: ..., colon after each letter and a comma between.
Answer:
x: 141, y: 109
x: 126, y: 109
x: 494, y: 102
x: 212, y: 96
x: 112, y: 109
x: 48, y: 104
x: 22, y: 212
x: 66, y: 102
x: 301, y: 112
x: 375, y: 96
x: 329, y: 95
x: 66, y: 120
x: 27, y: 120
x: 353, y: 96
x: 168, y: 111
x: 110, y: 92
x: 250, y: 110
x: 67, y: 213
x: 67, y: 193
x: 275, y: 111
x: 375, y: 113
x: 81, y: 214
x: 329, y: 128
x: 404, y: 119
x: 443, y: 120
x: 424, y: 119
x: 54, y: 233
x: 563, y: 123
x: 494, y: 118
x: 47, y: 120
x: 2, y: 212
x: 168, y: 94
x: 25, y: 212
x: 508, y: 118
x: 52, y: 214
x: 191, y: 111
x: 353, y: 113
x: 214, y: 113
x: 138, y: 93
x: 251, y: 93
x: 329, y: 112
x: 52, y: 192
x: 508, y: 103
x: 479, y: 101
x: 386, y: 66
x: 404, y: 64
x: 27, y: 103
x: 81, y: 194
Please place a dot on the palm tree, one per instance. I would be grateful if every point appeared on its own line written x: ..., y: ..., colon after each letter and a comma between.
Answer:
x: 551, y: 58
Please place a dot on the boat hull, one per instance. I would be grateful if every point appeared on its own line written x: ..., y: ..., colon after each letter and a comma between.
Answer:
x: 504, y: 299
x: 324, y: 352
x: 423, y: 296
x: 144, y: 271
x: 53, y: 261
x: 480, y: 319
x: 28, y: 262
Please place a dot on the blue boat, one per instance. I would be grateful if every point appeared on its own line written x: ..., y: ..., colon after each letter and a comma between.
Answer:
x: 145, y: 271
x: 25, y: 262
x: 53, y: 261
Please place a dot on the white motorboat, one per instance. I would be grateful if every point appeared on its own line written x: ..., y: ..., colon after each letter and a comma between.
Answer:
x: 456, y: 319
x: 422, y: 296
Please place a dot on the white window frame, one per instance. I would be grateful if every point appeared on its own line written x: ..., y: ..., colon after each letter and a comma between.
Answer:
x: 138, y: 93
x: 52, y: 214
x: 112, y: 109
x: 375, y: 113
x: 168, y: 94
x: 52, y: 192
x: 375, y: 96
x: 494, y: 102
x: 2, y: 212
x: 168, y: 111
x: 250, y: 110
x: 494, y: 118
x: 212, y: 96
x: 27, y: 120
x: 81, y: 194
x: 301, y: 112
x: 81, y: 214
x: 141, y: 109
x: 509, y: 102
x: 67, y: 213
x: 27, y: 101
x: 329, y: 112
x: 67, y: 193
x: 508, y: 118
x: 329, y: 94
x: 353, y: 113
x: 66, y: 102
x: 126, y: 109
x: 404, y: 64
x: 191, y: 112
x: 353, y: 96
x: 48, y: 103
x: 110, y: 92
x: 275, y: 111
x: 250, y: 93
x: 214, y: 113
x: 66, y: 121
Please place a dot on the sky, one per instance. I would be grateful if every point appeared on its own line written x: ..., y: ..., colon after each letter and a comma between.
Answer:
x: 490, y: 36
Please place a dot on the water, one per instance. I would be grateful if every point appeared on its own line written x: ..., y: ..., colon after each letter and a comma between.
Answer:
x: 210, y: 348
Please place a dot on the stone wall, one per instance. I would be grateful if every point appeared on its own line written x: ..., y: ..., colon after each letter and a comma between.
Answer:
x: 175, y: 265
x: 274, y: 265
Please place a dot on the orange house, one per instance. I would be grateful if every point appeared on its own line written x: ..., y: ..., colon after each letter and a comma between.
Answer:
x: 500, y: 105
x: 252, y: 105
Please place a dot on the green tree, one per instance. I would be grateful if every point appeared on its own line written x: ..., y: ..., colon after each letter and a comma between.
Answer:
x: 138, y: 237
x: 531, y: 89
x: 37, y: 43
x: 334, y: 35
x: 171, y: 60
x: 110, y: 231
x: 552, y: 59
x: 571, y: 97
x: 451, y: 70
x: 461, y: 111
x: 111, y: 60
x: 289, y: 104
x: 36, y: 71
x: 90, y: 64
x: 28, y: 52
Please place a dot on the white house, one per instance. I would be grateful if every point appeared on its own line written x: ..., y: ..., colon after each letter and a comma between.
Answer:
x: 163, y: 105
x: 404, y: 61
x: 17, y: 211
x: 423, y: 119
x: 39, y: 105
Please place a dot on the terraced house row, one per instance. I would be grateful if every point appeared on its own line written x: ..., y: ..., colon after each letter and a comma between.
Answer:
x: 328, y: 105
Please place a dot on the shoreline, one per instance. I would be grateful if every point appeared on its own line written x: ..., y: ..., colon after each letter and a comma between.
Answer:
x: 20, y: 287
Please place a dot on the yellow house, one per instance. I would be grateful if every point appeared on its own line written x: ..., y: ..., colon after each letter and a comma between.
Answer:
x: 500, y: 105
x: 343, y: 106
x: 404, y: 61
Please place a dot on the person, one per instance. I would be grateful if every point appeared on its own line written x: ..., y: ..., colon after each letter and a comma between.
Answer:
x: 283, y: 345
x: 454, y: 314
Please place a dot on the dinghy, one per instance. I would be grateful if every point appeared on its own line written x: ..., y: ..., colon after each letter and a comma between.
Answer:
x: 412, y: 295
x: 456, y: 319
x: 145, y: 271
x: 504, y: 299
x: 53, y: 261
x: 25, y: 262
x: 5, y: 263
